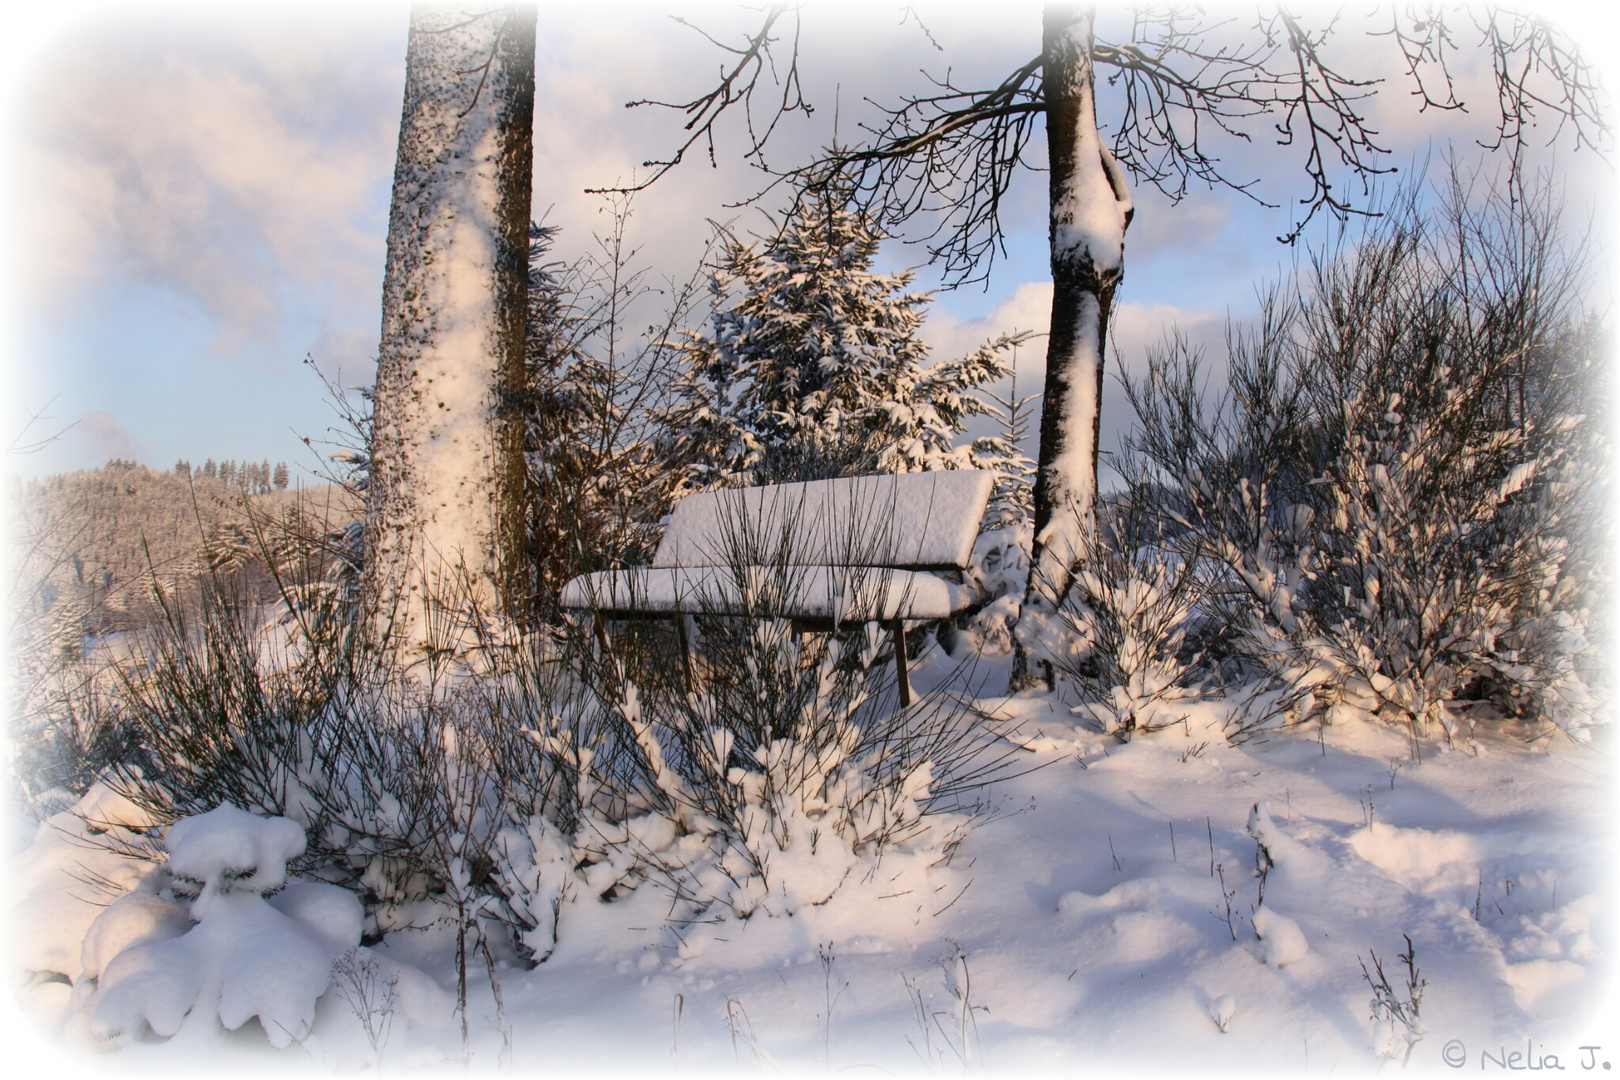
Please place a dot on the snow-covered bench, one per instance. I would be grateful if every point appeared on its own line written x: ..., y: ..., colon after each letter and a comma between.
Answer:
x: 825, y: 554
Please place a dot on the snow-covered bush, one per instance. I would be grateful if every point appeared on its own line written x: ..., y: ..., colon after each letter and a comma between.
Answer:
x: 1402, y: 476
x: 102, y: 845
x: 485, y: 790
x: 815, y: 367
x: 779, y: 779
x: 782, y: 764
x: 250, y: 953
x: 1130, y: 611
x: 999, y: 572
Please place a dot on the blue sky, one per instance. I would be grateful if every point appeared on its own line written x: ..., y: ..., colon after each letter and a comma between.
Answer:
x: 196, y: 198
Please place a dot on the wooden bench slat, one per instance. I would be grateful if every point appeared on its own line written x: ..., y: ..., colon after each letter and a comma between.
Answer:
x: 911, y: 520
x: 848, y: 594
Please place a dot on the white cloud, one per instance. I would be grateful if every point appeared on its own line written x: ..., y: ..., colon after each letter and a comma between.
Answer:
x: 107, y: 438
x: 1134, y: 329
x: 231, y: 168
x: 1190, y: 228
x: 1027, y: 307
x: 222, y: 161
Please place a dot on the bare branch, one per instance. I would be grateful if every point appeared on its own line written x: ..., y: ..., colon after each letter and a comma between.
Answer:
x: 1539, y: 70
x: 1180, y: 85
x: 951, y: 154
x: 736, y: 86
x: 34, y: 442
x: 1324, y: 103
x: 1424, y: 39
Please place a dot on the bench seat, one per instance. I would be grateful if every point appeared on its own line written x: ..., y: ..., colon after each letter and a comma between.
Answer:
x: 837, y: 593
x: 836, y: 552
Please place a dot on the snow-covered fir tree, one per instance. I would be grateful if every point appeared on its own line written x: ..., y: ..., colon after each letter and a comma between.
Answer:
x: 815, y: 367
x: 1003, y: 453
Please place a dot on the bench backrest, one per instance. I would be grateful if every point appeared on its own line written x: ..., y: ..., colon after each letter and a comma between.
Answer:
x: 923, y: 520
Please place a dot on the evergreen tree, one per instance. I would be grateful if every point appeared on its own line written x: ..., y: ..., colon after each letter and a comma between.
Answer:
x: 1003, y: 453
x: 815, y: 368
x: 280, y: 478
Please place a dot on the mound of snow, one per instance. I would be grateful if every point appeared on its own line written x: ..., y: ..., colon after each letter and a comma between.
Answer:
x: 244, y: 958
x: 326, y: 910
x: 1426, y: 862
x: 1284, y: 940
x: 134, y: 919
x: 1132, y: 895
x: 63, y: 882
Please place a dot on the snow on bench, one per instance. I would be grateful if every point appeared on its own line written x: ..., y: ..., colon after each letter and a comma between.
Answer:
x: 825, y: 553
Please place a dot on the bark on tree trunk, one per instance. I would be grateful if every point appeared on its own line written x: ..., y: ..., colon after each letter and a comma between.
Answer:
x: 445, y: 520
x: 1090, y: 210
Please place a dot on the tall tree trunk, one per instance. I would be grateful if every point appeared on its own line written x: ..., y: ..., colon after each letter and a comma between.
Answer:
x: 1090, y: 210
x: 445, y: 519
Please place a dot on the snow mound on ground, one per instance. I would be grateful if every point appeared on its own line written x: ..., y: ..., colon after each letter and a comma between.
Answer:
x: 1420, y: 860
x: 327, y: 910
x: 1534, y: 982
x: 244, y: 958
x: 1126, y: 896
x: 1284, y: 941
x: 134, y: 919
x: 1565, y: 933
x: 77, y: 864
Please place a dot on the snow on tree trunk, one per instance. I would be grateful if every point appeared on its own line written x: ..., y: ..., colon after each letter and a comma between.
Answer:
x: 1090, y: 209
x: 446, y: 514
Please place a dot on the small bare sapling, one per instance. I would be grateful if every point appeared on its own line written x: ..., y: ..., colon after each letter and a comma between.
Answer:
x: 1221, y: 1010
x: 1398, y: 1018
x: 358, y: 980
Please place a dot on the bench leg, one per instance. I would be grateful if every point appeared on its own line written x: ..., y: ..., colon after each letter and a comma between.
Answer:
x: 602, y: 634
x: 686, y: 649
x: 899, y: 634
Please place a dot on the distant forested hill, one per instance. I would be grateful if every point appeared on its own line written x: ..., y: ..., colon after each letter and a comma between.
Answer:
x: 89, y: 544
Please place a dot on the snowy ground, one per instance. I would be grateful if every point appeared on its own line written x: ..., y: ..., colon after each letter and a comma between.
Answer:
x: 1080, y: 927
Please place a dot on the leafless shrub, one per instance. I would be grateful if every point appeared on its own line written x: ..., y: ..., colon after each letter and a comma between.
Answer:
x: 1401, y: 480
x: 1399, y: 1018
x: 787, y: 746
x: 1138, y: 594
x: 359, y: 982
x: 953, y: 1030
